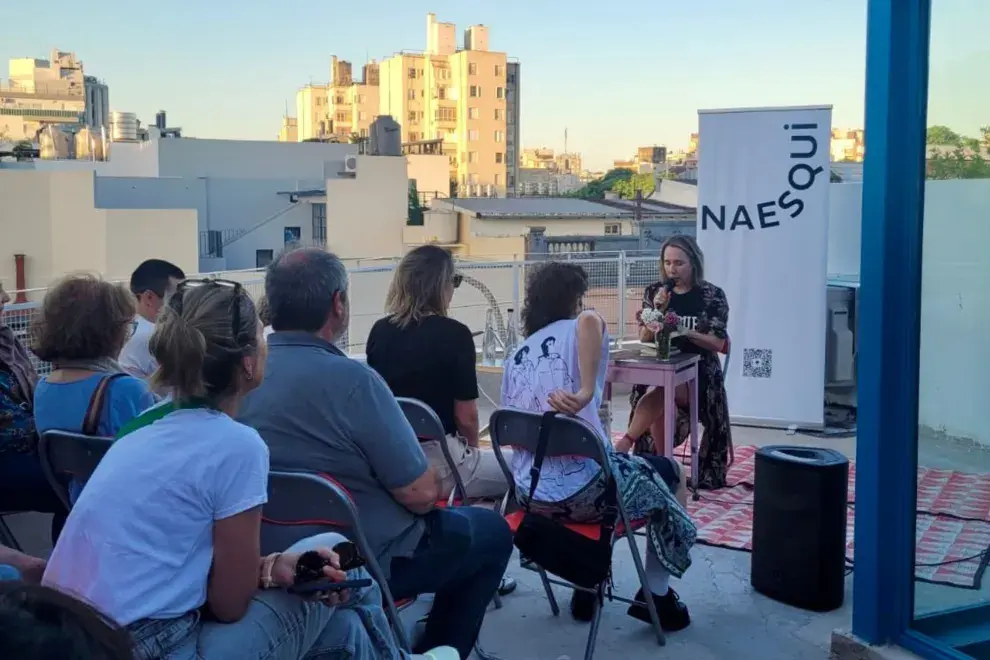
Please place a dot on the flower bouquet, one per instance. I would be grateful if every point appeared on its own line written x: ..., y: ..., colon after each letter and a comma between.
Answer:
x: 662, y: 324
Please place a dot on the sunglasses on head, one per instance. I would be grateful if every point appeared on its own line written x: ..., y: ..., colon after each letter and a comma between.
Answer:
x: 176, y: 300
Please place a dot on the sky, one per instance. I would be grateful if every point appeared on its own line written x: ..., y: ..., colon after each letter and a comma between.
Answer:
x: 615, y: 75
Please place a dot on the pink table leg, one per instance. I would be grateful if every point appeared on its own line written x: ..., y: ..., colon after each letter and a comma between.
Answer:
x: 695, y: 440
x: 669, y: 414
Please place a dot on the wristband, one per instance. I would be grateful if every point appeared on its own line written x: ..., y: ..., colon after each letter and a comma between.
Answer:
x: 267, y: 567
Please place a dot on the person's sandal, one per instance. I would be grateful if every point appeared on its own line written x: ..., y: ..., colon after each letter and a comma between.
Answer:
x: 507, y: 586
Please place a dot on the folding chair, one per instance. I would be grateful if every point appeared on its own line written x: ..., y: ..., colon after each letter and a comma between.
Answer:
x: 302, y: 505
x: 64, y: 453
x: 569, y: 436
x: 427, y: 426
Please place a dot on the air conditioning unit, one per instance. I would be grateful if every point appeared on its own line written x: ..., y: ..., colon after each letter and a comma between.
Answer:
x: 350, y: 164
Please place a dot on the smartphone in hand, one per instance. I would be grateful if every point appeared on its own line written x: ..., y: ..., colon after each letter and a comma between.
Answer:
x: 325, y: 585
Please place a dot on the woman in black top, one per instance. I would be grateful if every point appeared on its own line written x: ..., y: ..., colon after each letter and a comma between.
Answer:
x: 424, y: 354
x: 683, y: 289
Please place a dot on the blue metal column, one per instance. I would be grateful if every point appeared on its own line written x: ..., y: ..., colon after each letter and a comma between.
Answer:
x: 889, y: 326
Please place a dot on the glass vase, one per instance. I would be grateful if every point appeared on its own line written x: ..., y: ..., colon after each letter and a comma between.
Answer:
x: 663, y: 345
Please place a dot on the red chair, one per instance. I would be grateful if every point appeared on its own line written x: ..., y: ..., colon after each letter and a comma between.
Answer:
x: 301, y: 505
x: 569, y: 436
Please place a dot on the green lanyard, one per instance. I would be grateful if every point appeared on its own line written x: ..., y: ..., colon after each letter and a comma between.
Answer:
x: 152, y: 415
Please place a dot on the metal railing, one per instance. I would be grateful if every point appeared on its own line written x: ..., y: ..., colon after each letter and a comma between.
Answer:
x: 616, y: 289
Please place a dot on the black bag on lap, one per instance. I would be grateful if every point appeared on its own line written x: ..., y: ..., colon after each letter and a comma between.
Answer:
x: 561, y: 551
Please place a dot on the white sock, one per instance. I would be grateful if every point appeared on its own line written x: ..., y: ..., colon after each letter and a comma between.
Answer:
x: 657, y: 577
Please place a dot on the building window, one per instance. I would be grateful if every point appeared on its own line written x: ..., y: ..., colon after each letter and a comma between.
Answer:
x: 613, y: 228
x: 364, y: 132
x: 262, y: 258
x: 412, y: 115
x: 473, y: 135
x: 498, y: 70
x: 472, y: 113
x: 499, y: 157
x: 342, y: 117
x: 498, y: 179
x: 511, y: 79
x: 500, y: 92
x: 411, y: 94
x: 472, y: 68
x: 442, y: 93
x: 499, y: 136
x: 412, y: 73
x: 362, y: 116
x: 446, y: 114
x: 360, y: 98
x: 340, y: 99
x: 292, y: 235
x: 472, y: 156
x: 320, y: 223
x: 414, y: 137
x: 499, y: 114
x: 474, y: 92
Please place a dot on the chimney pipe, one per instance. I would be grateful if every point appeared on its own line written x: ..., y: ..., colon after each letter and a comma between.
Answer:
x: 20, y: 281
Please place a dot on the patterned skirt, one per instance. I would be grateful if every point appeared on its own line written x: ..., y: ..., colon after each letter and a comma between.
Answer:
x: 645, y: 496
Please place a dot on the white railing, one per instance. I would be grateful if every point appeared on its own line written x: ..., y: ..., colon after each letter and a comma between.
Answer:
x: 616, y: 289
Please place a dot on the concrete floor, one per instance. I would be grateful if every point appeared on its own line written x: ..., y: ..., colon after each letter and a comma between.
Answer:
x: 730, y: 620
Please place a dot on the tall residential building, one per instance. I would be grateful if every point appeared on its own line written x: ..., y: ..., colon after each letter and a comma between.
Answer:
x: 459, y: 96
x: 289, y: 131
x: 312, y: 119
x: 52, y: 92
x: 352, y: 105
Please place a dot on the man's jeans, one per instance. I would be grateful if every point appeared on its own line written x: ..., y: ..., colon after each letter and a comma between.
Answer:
x: 461, y: 559
x: 279, y: 626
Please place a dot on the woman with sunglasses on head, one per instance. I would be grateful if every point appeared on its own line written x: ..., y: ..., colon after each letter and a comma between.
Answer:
x: 165, y: 539
x: 424, y: 354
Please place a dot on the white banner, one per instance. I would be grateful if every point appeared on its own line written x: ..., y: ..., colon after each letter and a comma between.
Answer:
x: 763, y: 189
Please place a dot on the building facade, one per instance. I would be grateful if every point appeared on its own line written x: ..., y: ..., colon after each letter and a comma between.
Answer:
x: 460, y: 96
x: 52, y: 92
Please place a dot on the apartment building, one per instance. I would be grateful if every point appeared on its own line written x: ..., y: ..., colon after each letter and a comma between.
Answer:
x: 544, y: 158
x: 336, y: 110
x: 52, y: 92
x: 462, y: 96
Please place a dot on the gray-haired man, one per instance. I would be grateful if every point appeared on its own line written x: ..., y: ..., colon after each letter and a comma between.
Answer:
x: 320, y: 411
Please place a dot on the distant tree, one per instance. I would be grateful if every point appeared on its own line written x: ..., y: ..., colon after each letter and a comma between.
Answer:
x: 943, y: 136
x: 643, y: 183
x: 23, y: 150
x: 415, y: 207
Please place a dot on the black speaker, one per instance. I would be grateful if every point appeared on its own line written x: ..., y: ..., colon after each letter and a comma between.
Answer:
x: 799, y: 526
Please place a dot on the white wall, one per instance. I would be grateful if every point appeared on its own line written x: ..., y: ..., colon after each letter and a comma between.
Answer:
x: 955, y: 298
x: 246, y: 159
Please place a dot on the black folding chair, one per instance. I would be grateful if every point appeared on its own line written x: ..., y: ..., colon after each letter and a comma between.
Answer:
x: 301, y: 505
x: 427, y: 426
x: 569, y: 436
x: 67, y: 454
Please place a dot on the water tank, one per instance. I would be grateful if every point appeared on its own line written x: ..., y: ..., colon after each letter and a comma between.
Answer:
x: 385, y: 137
x: 160, y: 120
x: 53, y: 144
x: 89, y: 145
x: 123, y: 126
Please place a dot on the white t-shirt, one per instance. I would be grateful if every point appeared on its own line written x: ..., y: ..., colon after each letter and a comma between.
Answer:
x: 546, y: 361
x: 138, y: 543
x: 136, y: 358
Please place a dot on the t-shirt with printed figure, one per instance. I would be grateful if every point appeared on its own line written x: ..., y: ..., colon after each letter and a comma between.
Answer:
x: 690, y: 306
x: 136, y: 358
x: 138, y: 544
x: 546, y: 361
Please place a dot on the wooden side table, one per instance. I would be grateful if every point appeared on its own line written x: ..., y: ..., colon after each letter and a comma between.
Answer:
x: 667, y: 374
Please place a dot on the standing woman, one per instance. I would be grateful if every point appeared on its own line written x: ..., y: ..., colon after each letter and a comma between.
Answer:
x: 683, y: 289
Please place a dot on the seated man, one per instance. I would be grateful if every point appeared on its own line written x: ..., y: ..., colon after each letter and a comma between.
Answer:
x: 151, y: 283
x: 322, y: 412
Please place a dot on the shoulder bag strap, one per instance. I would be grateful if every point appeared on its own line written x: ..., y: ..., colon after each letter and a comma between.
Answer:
x: 91, y: 422
x: 546, y: 425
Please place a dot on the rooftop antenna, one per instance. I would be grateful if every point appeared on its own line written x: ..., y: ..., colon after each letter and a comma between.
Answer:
x: 565, y: 141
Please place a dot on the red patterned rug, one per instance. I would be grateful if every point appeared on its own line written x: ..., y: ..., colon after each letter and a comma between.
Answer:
x: 953, y: 531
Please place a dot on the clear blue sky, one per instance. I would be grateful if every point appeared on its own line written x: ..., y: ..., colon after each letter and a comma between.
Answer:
x: 616, y: 74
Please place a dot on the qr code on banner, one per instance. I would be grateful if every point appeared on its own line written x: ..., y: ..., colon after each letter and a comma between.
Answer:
x: 757, y: 362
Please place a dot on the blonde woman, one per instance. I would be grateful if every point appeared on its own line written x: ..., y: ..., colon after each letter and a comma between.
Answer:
x: 165, y: 538
x: 424, y: 354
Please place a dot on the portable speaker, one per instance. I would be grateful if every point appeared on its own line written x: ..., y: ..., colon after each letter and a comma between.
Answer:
x: 799, y: 526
